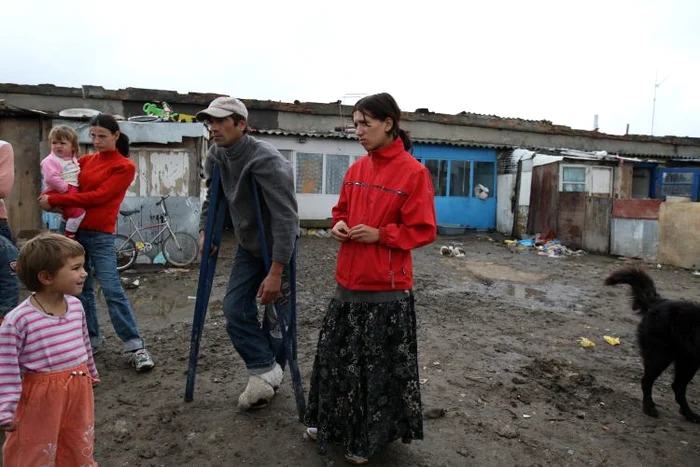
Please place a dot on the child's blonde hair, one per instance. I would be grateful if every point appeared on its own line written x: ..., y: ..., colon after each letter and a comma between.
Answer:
x: 45, y: 252
x: 60, y: 132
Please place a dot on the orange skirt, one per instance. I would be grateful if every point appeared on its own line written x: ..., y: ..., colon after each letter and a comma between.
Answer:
x: 55, y: 421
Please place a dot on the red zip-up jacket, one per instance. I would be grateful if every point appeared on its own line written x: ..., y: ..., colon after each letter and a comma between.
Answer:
x: 104, y: 178
x: 390, y: 190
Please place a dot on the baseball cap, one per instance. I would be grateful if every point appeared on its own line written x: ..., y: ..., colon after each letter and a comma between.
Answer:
x: 222, y: 107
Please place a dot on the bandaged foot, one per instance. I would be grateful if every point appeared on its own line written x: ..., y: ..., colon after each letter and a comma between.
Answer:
x: 261, y: 389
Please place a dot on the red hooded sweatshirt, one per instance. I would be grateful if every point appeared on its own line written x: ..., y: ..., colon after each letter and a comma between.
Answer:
x: 390, y: 190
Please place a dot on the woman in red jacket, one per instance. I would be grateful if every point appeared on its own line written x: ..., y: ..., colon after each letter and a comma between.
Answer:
x: 104, y: 178
x: 365, y: 389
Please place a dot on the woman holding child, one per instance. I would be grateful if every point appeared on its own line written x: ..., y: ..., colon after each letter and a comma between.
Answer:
x: 104, y: 178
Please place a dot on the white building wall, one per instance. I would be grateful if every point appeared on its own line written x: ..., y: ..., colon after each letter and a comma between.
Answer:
x: 314, y: 206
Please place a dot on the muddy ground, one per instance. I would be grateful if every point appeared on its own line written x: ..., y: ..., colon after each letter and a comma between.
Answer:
x: 498, y: 349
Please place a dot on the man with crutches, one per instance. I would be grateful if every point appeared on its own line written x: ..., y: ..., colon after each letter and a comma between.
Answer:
x: 258, y: 187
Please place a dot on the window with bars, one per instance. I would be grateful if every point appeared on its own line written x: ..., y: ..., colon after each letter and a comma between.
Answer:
x: 309, y: 173
x: 336, y: 167
x: 677, y: 184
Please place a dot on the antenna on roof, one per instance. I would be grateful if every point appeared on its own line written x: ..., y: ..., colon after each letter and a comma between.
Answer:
x: 657, y: 83
x: 357, y: 96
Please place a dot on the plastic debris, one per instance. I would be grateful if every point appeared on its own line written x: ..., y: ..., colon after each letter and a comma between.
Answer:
x: 585, y: 342
x: 546, y: 246
x: 612, y: 340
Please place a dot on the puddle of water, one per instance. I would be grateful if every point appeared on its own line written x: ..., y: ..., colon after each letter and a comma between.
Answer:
x: 523, y: 292
x: 551, y: 296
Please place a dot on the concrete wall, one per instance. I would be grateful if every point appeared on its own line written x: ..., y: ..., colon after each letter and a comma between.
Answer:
x: 184, y: 216
x: 679, y: 224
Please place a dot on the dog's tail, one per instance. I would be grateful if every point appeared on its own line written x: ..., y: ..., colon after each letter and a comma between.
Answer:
x: 644, y: 293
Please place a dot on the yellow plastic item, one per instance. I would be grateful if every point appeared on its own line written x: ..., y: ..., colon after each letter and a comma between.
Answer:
x: 612, y: 340
x: 587, y: 343
x: 139, y: 246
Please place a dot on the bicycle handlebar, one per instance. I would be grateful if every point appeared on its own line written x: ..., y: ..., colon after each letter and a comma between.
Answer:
x: 162, y: 198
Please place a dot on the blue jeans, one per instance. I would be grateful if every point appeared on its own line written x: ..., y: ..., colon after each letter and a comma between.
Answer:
x: 100, y: 255
x: 259, y: 345
x: 9, y: 283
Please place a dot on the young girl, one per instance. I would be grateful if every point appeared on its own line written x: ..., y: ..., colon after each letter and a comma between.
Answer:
x: 365, y: 390
x: 60, y: 170
x: 104, y: 178
x: 46, y: 400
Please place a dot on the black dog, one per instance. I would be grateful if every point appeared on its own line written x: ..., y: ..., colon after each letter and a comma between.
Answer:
x: 668, y: 333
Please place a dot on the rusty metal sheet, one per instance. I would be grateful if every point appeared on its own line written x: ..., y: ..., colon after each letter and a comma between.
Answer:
x: 596, y: 233
x: 544, y: 194
x: 571, y: 218
x: 637, y: 209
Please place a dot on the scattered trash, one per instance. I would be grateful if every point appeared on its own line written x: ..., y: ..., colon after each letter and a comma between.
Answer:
x: 160, y: 259
x: 612, y: 340
x: 585, y: 342
x: 550, y: 247
x: 191, y: 297
x: 423, y: 380
x: 174, y: 270
x: 527, y: 415
x: 313, y: 232
x: 130, y: 284
x: 696, y: 273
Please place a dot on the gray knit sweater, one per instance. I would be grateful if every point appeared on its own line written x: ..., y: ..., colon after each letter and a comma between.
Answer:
x: 251, y: 157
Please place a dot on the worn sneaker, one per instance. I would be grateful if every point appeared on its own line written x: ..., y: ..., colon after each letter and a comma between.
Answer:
x: 261, y: 389
x: 140, y: 359
x: 355, y: 460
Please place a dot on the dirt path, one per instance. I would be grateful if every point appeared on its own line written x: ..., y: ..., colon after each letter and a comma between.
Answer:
x: 498, y: 349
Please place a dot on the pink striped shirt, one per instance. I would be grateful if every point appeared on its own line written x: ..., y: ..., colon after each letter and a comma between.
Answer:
x: 31, y: 341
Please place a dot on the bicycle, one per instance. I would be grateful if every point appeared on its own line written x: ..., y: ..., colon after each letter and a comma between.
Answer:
x: 180, y: 249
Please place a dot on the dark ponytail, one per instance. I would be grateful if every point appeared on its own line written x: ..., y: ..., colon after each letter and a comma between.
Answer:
x: 404, y: 135
x: 123, y: 144
x: 108, y: 122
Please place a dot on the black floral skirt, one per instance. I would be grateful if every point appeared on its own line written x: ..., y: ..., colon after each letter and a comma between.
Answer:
x: 365, y: 389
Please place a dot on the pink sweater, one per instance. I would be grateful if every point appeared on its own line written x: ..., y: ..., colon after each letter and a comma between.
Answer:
x: 59, y: 173
x: 7, y: 174
x: 31, y: 341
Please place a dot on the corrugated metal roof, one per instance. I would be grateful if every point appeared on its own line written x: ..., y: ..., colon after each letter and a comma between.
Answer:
x: 341, y: 135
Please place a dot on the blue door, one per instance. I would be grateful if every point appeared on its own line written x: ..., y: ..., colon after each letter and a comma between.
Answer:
x: 457, y: 175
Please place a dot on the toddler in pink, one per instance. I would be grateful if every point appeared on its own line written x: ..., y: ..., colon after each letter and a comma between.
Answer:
x: 60, y: 170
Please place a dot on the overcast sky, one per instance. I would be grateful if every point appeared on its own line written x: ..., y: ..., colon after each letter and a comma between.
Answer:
x: 539, y: 60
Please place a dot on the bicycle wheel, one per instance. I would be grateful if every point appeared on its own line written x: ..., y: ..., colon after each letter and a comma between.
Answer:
x: 180, y: 249
x: 126, y: 252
